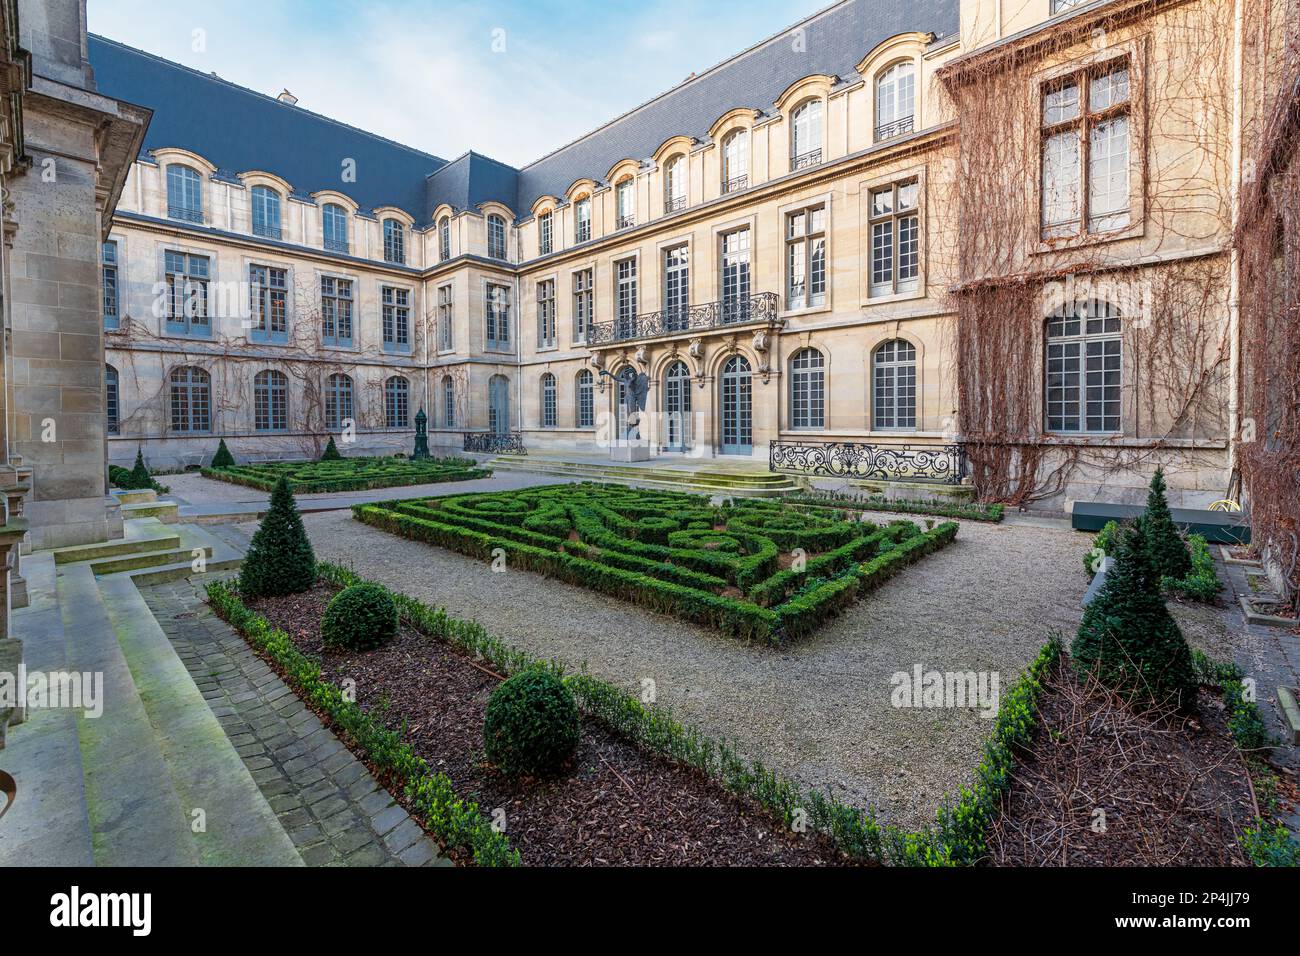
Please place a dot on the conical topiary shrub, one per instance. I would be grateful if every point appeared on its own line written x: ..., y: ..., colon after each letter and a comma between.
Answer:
x: 1168, y: 551
x: 331, y: 452
x: 140, y: 477
x: 223, y: 458
x: 280, y: 559
x: 1127, y: 639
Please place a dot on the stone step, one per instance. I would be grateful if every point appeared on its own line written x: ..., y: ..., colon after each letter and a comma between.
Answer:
x: 168, y: 512
x: 136, y: 496
x: 148, y: 559
x: 140, y: 535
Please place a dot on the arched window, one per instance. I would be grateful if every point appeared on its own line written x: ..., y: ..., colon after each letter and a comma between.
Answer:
x: 808, y: 389
x: 270, y: 401
x: 334, y: 219
x: 548, y: 400
x: 111, y: 399
x: 625, y: 204
x: 394, y: 241
x: 806, y: 135
x: 675, y: 184
x: 496, y: 236
x: 677, y: 406
x: 444, y: 239
x: 586, y: 399
x: 895, y: 100
x: 448, y: 402
x: 266, y: 212
x: 1085, y: 369
x: 338, y: 401
x: 735, y: 161
x: 184, y: 193
x: 893, y: 383
x: 582, y: 219
x: 397, y: 403
x: 191, y: 399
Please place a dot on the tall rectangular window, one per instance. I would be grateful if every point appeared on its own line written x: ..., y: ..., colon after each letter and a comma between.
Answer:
x: 395, y: 306
x: 268, y: 292
x: 187, y: 294
x: 544, y: 234
x: 498, y: 316
x: 444, y: 239
x: 546, y: 337
x: 625, y: 200
x: 734, y: 261
x: 805, y: 258
x: 184, y: 194
x: 394, y: 241
x: 334, y: 222
x: 625, y: 298
x: 895, y: 239
x: 336, y: 311
x: 496, y: 236
x: 266, y: 212
x: 446, y: 316
x: 583, y: 303
x: 582, y: 220
x: 677, y: 286
x: 108, y: 276
x: 1085, y: 127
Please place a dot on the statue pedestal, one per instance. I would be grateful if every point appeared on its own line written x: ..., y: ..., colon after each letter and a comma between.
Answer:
x: 636, y: 452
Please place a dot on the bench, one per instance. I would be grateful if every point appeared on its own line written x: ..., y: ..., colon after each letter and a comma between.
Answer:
x: 1217, y: 527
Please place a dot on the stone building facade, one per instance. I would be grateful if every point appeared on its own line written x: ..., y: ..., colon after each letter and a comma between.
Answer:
x: 793, y: 247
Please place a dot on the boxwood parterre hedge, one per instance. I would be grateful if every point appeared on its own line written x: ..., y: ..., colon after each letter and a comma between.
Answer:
x: 755, y: 569
x: 350, y: 474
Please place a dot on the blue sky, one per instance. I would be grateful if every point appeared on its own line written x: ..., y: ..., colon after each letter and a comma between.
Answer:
x: 513, y: 80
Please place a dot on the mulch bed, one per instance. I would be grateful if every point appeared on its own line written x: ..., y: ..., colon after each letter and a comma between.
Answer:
x: 616, y: 805
x: 1173, y: 790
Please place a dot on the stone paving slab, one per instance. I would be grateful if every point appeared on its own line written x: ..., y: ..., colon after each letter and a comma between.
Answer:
x: 333, y: 809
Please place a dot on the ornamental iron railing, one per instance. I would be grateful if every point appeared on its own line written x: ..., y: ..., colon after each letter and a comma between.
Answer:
x: 762, y: 307
x: 736, y: 185
x: 804, y: 160
x: 675, y: 204
x: 492, y: 443
x: 896, y: 128
x: 944, y: 464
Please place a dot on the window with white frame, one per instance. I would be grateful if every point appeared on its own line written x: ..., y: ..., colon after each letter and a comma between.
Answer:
x: 586, y: 395
x: 896, y: 100
x: 334, y: 221
x: 548, y: 400
x: 270, y: 401
x: 108, y: 279
x: 338, y: 401
x: 394, y: 241
x: 184, y: 193
x: 395, y: 313
x: 191, y: 399
x: 583, y: 304
x: 496, y: 234
x: 497, y: 316
x: 1059, y: 5
x: 895, y: 239
x: 625, y: 298
x: 582, y: 220
x: 111, y: 400
x: 544, y: 234
x: 733, y: 259
x: 625, y: 202
x: 675, y: 184
x: 268, y: 291
x: 446, y: 316
x: 397, y: 402
x: 806, y: 135
x: 893, y: 385
x: 808, y: 389
x: 1085, y: 126
x: 444, y: 239
x: 735, y: 161
x: 187, y: 293
x: 677, y: 286
x: 266, y: 212
x: 805, y: 257
x: 336, y: 311
x: 546, y: 336
x: 448, y: 402
x: 1085, y: 371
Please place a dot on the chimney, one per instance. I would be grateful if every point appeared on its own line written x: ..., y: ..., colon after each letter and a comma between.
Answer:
x: 287, y: 97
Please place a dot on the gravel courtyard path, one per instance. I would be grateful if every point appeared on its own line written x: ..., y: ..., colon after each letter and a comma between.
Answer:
x: 820, y: 710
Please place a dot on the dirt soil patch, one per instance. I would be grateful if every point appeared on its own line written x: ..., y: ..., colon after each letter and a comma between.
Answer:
x: 616, y: 804
x: 1105, y: 786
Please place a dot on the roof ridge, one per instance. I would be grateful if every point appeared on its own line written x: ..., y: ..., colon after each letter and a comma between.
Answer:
x: 694, y: 79
x: 213, y: 77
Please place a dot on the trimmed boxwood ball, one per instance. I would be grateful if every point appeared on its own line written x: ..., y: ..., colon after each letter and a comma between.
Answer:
x: 531, y: 724
x: 359, y: 618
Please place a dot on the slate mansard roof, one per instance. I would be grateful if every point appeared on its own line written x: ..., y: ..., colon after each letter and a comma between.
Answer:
x: 240, y: 130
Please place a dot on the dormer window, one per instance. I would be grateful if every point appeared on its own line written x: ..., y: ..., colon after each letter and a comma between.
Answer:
x: 806, y: 136
x: 334, y: 219
x: 394, y: 241
x: 266, y: 212
x: 184, y: 194
x: 544, y: 234
x: 675, y: 184
x: 735, y: 161
x: 624, y: 197
x: 582, y: 219
x: 895, y: 100
x: 444, y: 239
x: 496, y: 237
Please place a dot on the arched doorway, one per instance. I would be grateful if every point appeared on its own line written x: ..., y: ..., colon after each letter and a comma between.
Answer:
x: 499, y: 405
x: 737, y: 407
x: 677, y: 407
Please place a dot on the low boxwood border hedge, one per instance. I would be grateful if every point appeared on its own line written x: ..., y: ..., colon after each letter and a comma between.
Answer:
x: 457, y: 823
x: 386, y: 478
x: 993, y: 513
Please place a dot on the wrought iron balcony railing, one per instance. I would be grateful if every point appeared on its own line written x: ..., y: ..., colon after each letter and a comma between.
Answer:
x: 186, y: 213
x: 625, y: 222
x: 736, y: 185
x: 492, y: 443
x: 761, y: 307
x: 896, y: 128
x: 675, y: 204
x: 804, y: 160
x: 336, y: 245
x: 944, y: 464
